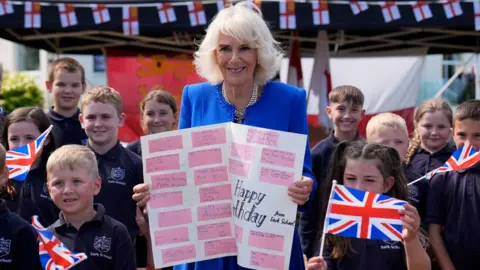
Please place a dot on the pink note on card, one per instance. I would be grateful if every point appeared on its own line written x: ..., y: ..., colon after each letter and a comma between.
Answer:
x: 266, y: 260
x: 169, y: 180
x: 221, y: 246
x: 171, y: 236
x: 214, y: 211
x: 214, y: 230
x: 243, y: 151
x: 175, y: 217
x: 264, y: 137
x: 163, y: 163
x: 239, y: 168
x: 205, y: 157
x: 216, y: 193
x: 209, y: 137
x: 239, y: 233
x: 165, y: 144
x: 276, y: 177
x: 177, y: 254
x: 266, y: 240
x: 210, y: 175
x: 278, y: 158
x: 166, y: 199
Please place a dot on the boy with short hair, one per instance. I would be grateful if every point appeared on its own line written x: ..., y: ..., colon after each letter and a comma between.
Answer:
x: 119, y: 168
x: 73, y: 181
x: 391, y: 130
x: 454, y: 200
x: 346, y: 111
x: 66, y: 82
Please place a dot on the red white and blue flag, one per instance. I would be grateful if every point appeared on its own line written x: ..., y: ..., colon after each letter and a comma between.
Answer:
x: 53, y: 253
x: 462, y: 159
x: 360, y: 214
x: 20, y: 159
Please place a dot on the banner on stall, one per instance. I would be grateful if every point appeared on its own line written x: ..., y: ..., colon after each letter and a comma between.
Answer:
x: 222, y: 190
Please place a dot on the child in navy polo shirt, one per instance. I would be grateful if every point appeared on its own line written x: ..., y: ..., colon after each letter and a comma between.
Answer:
x: 18, y: 240
x: 374, y: 168
x: 430, y: 148
x: 31, y: 196
x: 454, y: 200
x: 158, y: 114
x: 119, y: 168
x: 83, y: 226
x: 346, y: 111
x: 391, y: 130
x: 66, y: 82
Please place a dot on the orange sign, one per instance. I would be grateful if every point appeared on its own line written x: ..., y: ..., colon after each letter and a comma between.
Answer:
x: 133, y: 75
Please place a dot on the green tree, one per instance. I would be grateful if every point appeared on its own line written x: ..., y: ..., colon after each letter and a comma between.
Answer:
x: 20, y: 90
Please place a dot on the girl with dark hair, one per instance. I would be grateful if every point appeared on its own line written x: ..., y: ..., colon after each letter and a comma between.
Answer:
x: 377, y: 169
x: 30, y: 197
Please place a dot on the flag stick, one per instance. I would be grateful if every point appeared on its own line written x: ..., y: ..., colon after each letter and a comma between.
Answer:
x: 416, y: 180
x: 324, y: 230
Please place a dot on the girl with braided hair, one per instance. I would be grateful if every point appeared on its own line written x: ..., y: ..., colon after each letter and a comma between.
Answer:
x: 378, y: 169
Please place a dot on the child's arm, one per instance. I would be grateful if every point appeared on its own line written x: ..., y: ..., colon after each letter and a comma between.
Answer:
x: 416, y: 255
x: 124, y: 252
x: 27, y: 249
x: 142, y: 223
x: 438, y: 246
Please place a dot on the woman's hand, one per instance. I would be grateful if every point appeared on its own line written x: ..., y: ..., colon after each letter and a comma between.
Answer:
x: 410, y: 221
x: 141, y: 195
x: 316, y: 263
x: 142, y: 222
x: 300, y: 190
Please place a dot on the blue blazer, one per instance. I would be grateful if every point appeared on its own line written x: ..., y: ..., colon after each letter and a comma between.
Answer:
x: 280, y: 107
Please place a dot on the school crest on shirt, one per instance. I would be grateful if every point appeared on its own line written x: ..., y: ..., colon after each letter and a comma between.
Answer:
x: 117, y: 174
x: 4, y: 247
x: 84, y: 142
x: 102, y: 244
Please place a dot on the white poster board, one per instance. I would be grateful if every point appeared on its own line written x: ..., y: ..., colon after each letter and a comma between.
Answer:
x: 222, y: 190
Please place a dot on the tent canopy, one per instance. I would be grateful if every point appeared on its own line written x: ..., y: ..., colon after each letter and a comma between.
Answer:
x: 349, y: 34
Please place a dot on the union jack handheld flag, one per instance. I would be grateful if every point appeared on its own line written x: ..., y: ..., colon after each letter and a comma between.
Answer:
x: 360, y: 214
x: 53, y: 253
x: 20, y: 159
x: 464, y: 158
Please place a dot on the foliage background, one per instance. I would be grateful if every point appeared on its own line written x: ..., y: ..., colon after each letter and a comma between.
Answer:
x: 20, y: 90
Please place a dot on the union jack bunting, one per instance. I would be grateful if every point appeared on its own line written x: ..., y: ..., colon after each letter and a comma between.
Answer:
x: 464, y: 158
x: 54, y: 255
x: 20, y: 159
x: 359, y: 214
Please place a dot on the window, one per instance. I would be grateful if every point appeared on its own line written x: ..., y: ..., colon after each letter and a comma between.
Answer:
x: 98, y: 63
x: 28, y: 58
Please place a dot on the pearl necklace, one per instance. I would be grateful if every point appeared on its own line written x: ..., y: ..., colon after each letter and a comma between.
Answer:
x: 240, y: 114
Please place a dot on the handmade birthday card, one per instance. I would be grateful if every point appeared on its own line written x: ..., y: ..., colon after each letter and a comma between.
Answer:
x: 222, y: 190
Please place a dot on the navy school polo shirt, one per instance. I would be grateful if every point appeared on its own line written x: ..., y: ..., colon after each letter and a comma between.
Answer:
x: 120, y: 170
x: 18, y: 242
x: 454, y: 203
x: 135, y: 147
x: 417, y: 192
x: 32, y: 198
x: 104, y: 240
x: 423, y: 161
x: 369, y: 255
x: 309, y: 221
x: 67, y: 130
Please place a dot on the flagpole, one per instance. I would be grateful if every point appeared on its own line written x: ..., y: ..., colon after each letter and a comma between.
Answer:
x: 324, y: 230
x: 415, y: 181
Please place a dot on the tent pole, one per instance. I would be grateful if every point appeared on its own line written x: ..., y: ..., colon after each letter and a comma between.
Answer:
x: 477, y: 77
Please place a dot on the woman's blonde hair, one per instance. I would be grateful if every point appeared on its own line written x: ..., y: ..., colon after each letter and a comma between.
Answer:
x: 243, y: 22
x: 428, y: 106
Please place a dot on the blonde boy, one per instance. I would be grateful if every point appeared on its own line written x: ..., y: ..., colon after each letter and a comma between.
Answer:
x: 389, y: 129
x: 66, y: 83
x: 73, y: 181
x: 119, y: 168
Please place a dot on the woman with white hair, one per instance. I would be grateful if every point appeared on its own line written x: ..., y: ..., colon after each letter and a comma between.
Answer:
x: 239, y: 57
